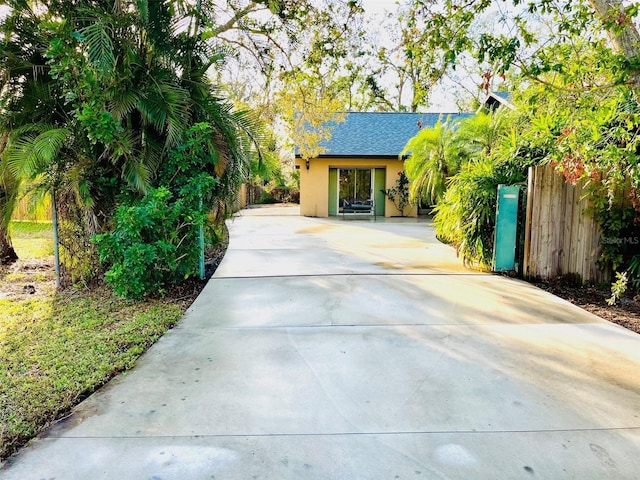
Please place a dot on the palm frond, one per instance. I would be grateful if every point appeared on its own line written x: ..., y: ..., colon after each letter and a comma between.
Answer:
x: 433, y: 159
x: 30, y: 154
x: 123, y: 104
x: 136, y: 174
x: 165, y: 106
x: 153, y: 111
x: 143, y: 9
x: 177, y: 103
x: 152, y: 154
x: 97, y: 36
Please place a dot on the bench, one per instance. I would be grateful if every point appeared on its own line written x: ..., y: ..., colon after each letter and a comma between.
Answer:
x: 358, y: 207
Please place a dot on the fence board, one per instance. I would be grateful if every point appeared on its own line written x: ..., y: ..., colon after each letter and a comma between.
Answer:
x: 26, y: 211
x: 562, y: 240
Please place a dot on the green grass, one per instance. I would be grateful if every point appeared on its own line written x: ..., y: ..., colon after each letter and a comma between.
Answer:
x: 32, y: 239
x: 56, y: 350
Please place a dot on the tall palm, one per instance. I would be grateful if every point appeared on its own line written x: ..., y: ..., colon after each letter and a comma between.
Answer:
x: 435, y: 154
x: 127, y: 86
x: 482, y: 133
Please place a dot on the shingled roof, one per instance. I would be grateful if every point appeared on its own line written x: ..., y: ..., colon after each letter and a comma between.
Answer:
x: 377, y: 134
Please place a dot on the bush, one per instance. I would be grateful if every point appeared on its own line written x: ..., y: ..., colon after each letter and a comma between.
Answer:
x: 466, y: 215
x: 294, y: 195
x: 399, y: 194
x: 152, y: 245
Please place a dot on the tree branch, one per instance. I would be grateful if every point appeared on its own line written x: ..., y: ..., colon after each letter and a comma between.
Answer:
x: 240, y: 14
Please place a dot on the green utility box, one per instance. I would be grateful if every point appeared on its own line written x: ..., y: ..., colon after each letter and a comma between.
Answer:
x: 506, y: 234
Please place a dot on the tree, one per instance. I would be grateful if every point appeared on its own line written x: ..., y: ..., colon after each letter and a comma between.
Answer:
x: 125, y: 84
x: 437, y: 154
x: 415, y: 70
x: 450, y: 31
x: 617, y: 18
x: 273, y: 41
x: 310, y: 111
x: 28, y: 96
x: 434, y: 155
x: 9, y: 186
x: 299, y: 64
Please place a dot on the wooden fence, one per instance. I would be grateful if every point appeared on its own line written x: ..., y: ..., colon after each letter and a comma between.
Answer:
x: 26, y: 211
x: 561, y: 239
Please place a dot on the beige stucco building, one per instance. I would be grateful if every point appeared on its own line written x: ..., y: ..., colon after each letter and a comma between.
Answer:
x: 361, y: 160
x: 320, y: 195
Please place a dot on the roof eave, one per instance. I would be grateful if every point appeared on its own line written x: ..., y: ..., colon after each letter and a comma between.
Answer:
x: 358, y: 156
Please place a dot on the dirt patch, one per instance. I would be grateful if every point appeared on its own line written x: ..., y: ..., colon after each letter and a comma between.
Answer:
x: 27, y: 278
x: 626, y: 312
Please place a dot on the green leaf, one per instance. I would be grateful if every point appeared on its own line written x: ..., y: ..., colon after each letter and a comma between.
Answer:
x: 97, y: 36
x: 31, y: 154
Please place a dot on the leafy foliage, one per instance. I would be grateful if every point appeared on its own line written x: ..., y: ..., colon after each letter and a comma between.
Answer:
x: 618, y: 288
x: 465, y: 217
x: 153, y: 243
x: 459, y: 165
x: 435, y: 155
x: 590, y: 135
x: 399, y: 194
x: 98, y: 100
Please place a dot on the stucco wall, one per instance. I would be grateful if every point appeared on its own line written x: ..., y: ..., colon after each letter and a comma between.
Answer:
x: 314, y: 183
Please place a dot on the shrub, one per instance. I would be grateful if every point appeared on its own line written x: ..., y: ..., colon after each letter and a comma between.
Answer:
x: 466, y: 215
x: 152, y: 245
x: 399, y: 194
x: 294, y: 195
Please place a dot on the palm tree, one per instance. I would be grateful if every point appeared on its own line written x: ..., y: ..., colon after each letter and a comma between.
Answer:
x: 9, y: 187
x: 26, y: 96
x: 121, y: 87
x: 437, y: 154
x: 434, y: 155
x: 483, y: 132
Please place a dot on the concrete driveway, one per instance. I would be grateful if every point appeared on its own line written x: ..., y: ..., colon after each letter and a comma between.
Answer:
x: 353, y: 349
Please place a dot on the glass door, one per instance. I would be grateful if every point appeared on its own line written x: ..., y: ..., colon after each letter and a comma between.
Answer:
x: 355, y: 192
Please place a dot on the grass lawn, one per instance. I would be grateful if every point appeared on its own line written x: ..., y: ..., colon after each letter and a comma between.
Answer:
x: 56, y: 348
x: 32, y: 240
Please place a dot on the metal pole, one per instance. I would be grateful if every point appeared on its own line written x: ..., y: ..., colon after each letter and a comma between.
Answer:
x: 201, y: 242
x: 56, y: 249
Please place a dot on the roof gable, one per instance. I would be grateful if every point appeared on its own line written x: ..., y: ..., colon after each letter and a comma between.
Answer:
x: 378, y: 134
x: 497, y: 99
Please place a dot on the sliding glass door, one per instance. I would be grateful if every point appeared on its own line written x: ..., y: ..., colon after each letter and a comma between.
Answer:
x: 357, y: 188
x: 355, y: 194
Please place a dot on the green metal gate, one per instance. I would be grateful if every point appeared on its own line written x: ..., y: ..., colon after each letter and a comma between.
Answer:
x: 506, y: 233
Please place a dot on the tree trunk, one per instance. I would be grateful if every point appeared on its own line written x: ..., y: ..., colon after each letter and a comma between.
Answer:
x: 624, y: 38
x: 7, y: 253
x: 8, y: 197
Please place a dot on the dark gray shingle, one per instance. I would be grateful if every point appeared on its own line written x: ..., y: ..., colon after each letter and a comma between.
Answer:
x: 379, y: 134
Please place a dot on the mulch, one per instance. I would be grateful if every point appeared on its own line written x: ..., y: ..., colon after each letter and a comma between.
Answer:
x: 625, y: 312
